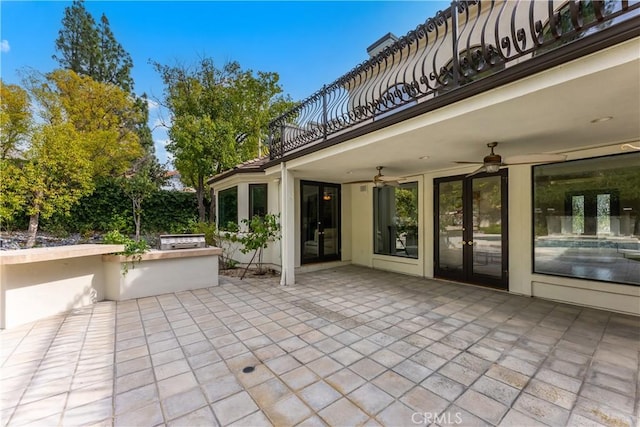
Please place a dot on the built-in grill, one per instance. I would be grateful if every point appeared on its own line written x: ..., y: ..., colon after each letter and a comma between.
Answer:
x: 181, y: 241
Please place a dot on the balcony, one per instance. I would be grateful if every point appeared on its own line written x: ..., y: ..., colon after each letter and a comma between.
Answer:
x: 467, y: 49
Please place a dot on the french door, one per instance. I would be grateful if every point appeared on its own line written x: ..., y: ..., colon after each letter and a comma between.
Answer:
x: 319, y: 222
x: 471, y: 225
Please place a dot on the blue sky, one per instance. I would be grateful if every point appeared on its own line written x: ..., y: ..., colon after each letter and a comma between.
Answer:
x: 307, y: 43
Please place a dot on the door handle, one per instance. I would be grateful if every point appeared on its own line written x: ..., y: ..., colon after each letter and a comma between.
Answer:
x: 470, y: 243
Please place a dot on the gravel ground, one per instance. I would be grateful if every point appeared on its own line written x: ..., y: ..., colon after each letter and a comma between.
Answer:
x: 17, y: 239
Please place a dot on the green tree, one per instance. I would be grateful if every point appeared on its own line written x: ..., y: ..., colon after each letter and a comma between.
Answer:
x: 12, y: 184
x: 15, y: 119
x: 219, y: 117
x: 82, y: 134
x: 55, y: 175
x: 197, y: 143
x: 141, y: 126
x: 115, y: 63
x: 91, y: 49
x: 140, y: 183
x: 15, y: 126
x: 77, y: 44
x: 102, y: 112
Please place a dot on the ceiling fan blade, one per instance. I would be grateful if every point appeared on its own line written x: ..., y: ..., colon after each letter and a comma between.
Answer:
x: 386, y: 178
x: 366, y: 181
x: 468, y: 163
x: 524, y: 159
x: 477, y: 171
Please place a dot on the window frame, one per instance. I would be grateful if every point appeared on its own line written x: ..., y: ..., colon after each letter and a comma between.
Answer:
x: 614, y: 204
x: 223, y: 226
x: 266, y: 200
x: 417, y: 222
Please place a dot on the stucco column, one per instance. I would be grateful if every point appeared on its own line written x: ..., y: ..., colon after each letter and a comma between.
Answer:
x: 287, y: 212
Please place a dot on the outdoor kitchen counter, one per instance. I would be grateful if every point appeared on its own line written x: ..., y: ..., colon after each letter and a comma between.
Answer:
x: 160, y: 272
x: 177, y: 253
x: 39, y: 282
x: 25, y: 256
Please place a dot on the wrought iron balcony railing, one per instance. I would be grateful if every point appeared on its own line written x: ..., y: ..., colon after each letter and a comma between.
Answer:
x: 458, y: 47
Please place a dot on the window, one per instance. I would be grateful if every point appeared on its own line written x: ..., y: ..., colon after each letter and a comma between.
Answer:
x: 257, y: 200
x: 228, y: 208
x: 396, y: 220
x: 587, y: 219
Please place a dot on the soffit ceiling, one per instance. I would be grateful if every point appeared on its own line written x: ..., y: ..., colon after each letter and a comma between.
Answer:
x: 555, y: 119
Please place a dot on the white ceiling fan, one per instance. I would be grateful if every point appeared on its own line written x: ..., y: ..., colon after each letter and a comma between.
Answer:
x: 380, y: 180
x: 492, y: 162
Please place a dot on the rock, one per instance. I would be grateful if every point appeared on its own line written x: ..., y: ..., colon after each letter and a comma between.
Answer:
x: 8, y: 245
x: 18, y: 239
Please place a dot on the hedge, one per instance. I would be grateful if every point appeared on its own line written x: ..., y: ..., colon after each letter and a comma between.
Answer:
x: 108, y: 208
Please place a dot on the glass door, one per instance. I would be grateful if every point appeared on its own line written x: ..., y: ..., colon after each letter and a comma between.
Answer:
x: 471, y: 225
x: 320, y: 221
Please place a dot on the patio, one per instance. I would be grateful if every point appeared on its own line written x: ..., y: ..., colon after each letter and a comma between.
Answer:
x: 344, y: 347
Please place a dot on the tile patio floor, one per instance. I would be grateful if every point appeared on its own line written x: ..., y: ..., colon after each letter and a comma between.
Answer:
x: 344, y: 347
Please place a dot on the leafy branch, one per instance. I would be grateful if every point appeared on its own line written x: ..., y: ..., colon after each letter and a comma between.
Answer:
x: 260, y: 232
x: 132, y: 249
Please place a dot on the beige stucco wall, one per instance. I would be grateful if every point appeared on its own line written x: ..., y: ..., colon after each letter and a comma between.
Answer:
x: 35, y: 290
x: 160, y: 273
x: 297, y: 221
x: 346, y: 221
x: 362, y: 224
x: 40, y: 282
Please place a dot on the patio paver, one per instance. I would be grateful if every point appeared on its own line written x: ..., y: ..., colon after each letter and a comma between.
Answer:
x: 346, y: 346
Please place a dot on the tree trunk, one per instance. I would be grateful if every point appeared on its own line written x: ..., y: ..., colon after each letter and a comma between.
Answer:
x: 33, y: 229
x: 260, y: 270
x: 212, y: 207
x: 249, y: 265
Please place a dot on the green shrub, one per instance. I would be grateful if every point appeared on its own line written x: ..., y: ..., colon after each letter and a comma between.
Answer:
x: 260, y: 232
x: 223, y: 239
x: 131, y: 247
x: 209, y: 231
